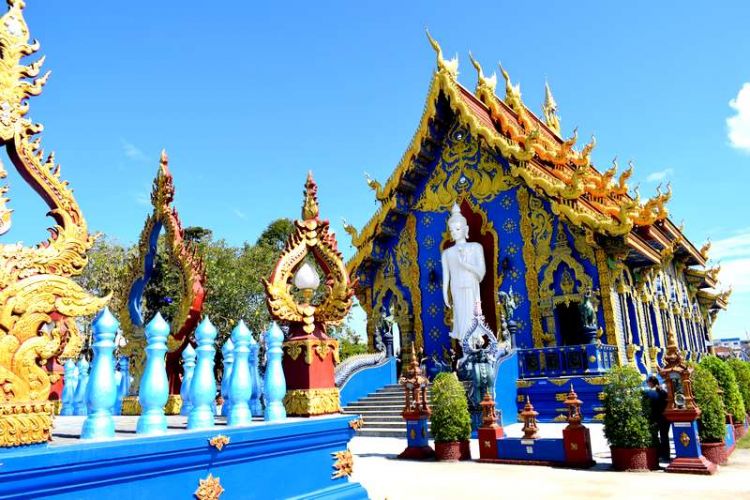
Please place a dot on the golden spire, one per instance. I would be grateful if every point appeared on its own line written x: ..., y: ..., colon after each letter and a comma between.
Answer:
x: 310, y: 205
x: 451, y: 65
x: 550, y: 110
x: 705, y: 249
x: 482, y: 81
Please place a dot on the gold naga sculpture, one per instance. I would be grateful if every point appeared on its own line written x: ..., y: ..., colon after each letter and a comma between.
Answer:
x: 39, y: 301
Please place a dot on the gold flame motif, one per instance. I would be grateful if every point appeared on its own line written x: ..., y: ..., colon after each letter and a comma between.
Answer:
x: 38, y: 299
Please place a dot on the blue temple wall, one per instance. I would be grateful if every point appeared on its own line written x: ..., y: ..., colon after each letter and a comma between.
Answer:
x: 281, y: 460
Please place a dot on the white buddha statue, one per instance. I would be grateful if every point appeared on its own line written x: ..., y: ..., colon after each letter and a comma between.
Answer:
x: 463, y: 270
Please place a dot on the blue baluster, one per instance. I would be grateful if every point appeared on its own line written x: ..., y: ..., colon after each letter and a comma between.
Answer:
x: 256, y: 408
x: 69, y: 388
x: 101, y: 391
x: 275, y: 383
x: 227, y: 353
x: 79, y: 403
x: 203, y: 386
x: 154, y: 389
x: 240, y: 385
x: 188, y: 366
x: 123, y: 388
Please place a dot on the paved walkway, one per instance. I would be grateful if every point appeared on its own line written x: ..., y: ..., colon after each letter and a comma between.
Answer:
x: 384, y: 476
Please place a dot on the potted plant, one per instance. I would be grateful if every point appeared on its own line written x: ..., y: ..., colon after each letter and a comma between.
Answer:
x: 741, y: 371
x: 450, y: 420
x: 626, y: 425
x: 711, y: 426
x: 731, y: 396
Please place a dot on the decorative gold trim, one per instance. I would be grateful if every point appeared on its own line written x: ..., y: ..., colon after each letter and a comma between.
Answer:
x: 343, y: 465
x: 599, y: 417
x: 219, y: 441
x: 524, y: 384
x: 22, y: 424
x: 409, y: 272
x: 529, y: 259
x: 305, y: 402
x: 684, y: 439
x: 603, y: 380
x: 560, y: 381
x: 357, y: 423
x: 132, y: 406
x: 310, y: 346
x: 209, y: 488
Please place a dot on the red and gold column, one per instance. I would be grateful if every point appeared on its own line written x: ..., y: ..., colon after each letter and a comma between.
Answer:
x: 294, y: 298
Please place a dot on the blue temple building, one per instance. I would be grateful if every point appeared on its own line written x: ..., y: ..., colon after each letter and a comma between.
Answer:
x: 553, y: 228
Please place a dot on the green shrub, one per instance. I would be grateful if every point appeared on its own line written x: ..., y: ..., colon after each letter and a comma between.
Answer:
x: 724, y: 375
x: 625, y: 421
x: 741, y: 371
x: 706, y: 391
x: 450, y: 417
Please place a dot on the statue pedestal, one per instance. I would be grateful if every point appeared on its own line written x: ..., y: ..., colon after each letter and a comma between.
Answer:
x: 687, y: 445
x: 488, y: 437
x: 418, y: 440
x: 577, y: 440
x: 308, y: 368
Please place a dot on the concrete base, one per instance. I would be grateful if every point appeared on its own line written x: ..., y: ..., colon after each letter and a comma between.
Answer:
x: 417, y: 453
x: 684, y: 465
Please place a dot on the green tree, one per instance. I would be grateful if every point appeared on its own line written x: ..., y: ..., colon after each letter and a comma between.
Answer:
x: 741, y: 371
x: 276, y: 234
x: 450, y: 419
x: 728, y: 383
x: 706, y: 391
x: 625, y: 421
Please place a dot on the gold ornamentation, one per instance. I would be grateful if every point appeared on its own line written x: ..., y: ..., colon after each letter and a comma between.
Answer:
x: 189, y: 262
x: 310, y: 235
x: 343, y: 465
x: 549, y: 110
x: 209, y: 488
x: 357, y: 423
x: 319, y: 347
x: 38, y: 299
x: 561, y: 417
x: 524, y: 384
x: 559, y: 381
x: 464, y: 167
x: 529, y: 258
x: 219, y: 441
x: 684, y: 439
x: 406, y: 253
x: 22, y: 424
x: 132, y: 406
x: 599, y: 417
x: 603, y: 380
x: 312, y: 401
x: 413, y: 434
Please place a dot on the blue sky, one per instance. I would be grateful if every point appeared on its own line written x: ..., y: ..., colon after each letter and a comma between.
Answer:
x: 246, y: 98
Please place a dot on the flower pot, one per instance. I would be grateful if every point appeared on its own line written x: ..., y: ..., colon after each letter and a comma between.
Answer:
x: 448, y: 452
x: 465, y: 450
x: 634, y: 459
x: 715, y: 452
x: 739, y: 431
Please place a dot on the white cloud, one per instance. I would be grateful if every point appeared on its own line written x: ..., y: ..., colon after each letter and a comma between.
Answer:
x: 239, y: 213
x: 133, y: 152
x: 734, y: 254
x: 660, y: 175
x: 739, y: 125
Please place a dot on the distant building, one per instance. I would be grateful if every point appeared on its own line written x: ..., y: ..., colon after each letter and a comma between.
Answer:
x: 732, y: 347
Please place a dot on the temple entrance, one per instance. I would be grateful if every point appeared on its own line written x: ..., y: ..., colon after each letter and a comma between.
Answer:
x: 569, y: 323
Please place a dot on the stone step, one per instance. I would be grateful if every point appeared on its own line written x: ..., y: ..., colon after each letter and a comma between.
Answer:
x: 370, y: 408
x: 384, y: 418
x: 354, y: 411
x: 378, y: 424
x: 382, y: 433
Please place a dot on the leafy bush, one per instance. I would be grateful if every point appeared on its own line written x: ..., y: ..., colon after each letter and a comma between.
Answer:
x: 625, y: 422
x: 724, y: 375
x: 450, y: 417
x: 706, y: 391
x: 741, y: 371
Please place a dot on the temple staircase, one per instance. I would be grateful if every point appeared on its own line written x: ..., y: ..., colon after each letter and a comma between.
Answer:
x: 381, y: 412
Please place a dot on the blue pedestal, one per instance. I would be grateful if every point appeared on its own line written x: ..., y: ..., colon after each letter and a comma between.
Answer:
x: 686, y: 442
x: 297, y: 458
x: 417, y: 434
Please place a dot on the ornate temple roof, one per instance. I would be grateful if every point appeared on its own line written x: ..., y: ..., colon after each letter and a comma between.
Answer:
x: 599, y: 202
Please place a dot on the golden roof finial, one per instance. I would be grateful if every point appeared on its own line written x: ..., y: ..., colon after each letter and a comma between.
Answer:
x: 705, y: 249
x: 310, y: 205
x: 550, y: 110
x: 512, y: 92
x: 164, y: 161
x: 451, y: 65
x: 482, y: 81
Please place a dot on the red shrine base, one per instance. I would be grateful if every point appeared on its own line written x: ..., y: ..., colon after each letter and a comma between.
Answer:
x: 488, y: 437
x: 417, y: 453
x: 700, y: 465
x: 308, y: 367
